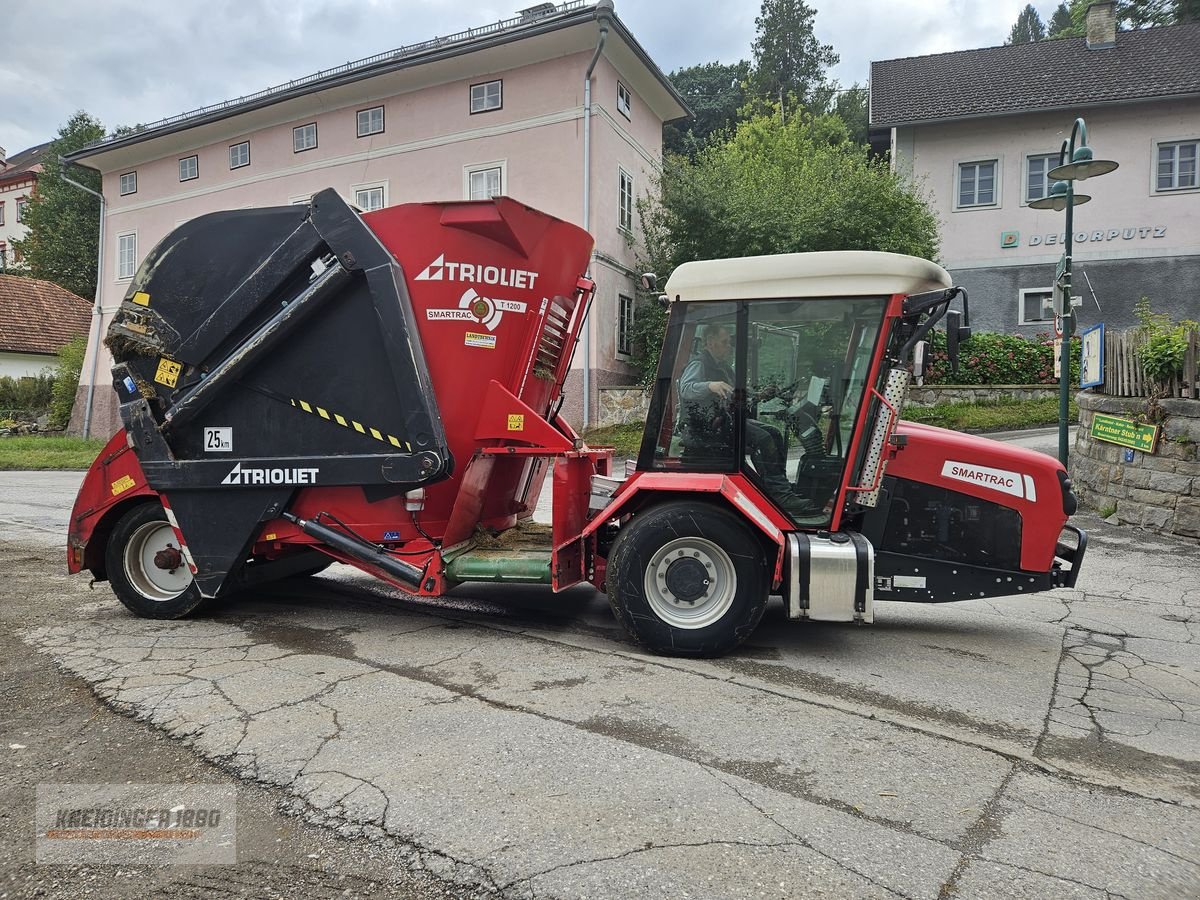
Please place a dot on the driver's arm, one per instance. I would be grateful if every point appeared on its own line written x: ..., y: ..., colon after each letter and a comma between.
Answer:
x: 691, y: 385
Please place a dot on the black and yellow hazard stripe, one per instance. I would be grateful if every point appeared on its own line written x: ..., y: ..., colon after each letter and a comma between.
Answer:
x: 351, y: 424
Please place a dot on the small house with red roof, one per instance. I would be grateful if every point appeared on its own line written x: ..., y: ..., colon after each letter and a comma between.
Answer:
x: 36, y: 319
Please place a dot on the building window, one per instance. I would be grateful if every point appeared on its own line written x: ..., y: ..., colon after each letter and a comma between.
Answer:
x: 624, y: 100
x: 189, y: 168
x: 239, y: 155
x: 1, y: 212
x: 369, y: 198
x: 1037, y: 306
x: 1177, y: 166
x: 21, y: 204
x: 370, y: 121
x: 977, y: 184
x: 484, y: 181
x: 625, y: 213
x: 304, y: 137
x: 3, y: 255
x: 486, y: 96
x: 126, y: 255
x: 128, y: 183
x: 1037, y: 182
x: 624, y: 325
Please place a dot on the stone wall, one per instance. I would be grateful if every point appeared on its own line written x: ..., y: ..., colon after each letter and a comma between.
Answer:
x: 1159, y: 491
x: 621, y: 406
x: 931, y: 395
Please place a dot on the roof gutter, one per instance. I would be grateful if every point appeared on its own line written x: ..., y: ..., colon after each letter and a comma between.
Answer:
x: 97, y: 317
x: 604, y: 11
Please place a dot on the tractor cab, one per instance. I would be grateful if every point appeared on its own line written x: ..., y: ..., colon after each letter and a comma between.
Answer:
x: 773, y: 368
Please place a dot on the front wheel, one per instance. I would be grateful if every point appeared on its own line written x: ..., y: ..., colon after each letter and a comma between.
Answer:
x: 146, y: 567
x: 688, y: 579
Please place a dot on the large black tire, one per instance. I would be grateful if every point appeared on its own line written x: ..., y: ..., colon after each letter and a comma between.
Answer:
x: 688, y: 579
x: 143, y: 587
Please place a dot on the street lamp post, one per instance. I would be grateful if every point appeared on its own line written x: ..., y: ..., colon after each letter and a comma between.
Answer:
x: 1074, y: 164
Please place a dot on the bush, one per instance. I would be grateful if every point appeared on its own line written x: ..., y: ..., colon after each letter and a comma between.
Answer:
x: 989, y: 358
x: 66, y: 380
x: 1165, y: 344
x: 30, y: 394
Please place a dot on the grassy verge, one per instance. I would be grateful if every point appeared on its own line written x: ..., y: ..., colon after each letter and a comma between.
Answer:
x: 32, y: 452
x: 625, y: 439
x: 1006, y: 416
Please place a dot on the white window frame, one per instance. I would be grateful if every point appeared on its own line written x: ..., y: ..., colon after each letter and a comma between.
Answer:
x: 358, y: 120
x: 1173, y: 142
x: 240, y: 165
x: 472, y: 168
x: 622, y: 225
x: 381, y: 186
x: 299, y: 134
x: 1025, y: 292
x: 997, y: 162
x: 1052, y: 162
x: 194, y: 159
x: 20, y: 205
x: 1, y: 212
x: 121, y: 184
x: 296, y: 201
x: 121, y: 276
x: 483, y: 105
x: 628, y: 322
x: 624, y: 101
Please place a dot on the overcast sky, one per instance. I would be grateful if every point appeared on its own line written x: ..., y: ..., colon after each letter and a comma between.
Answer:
x: 136, y: 61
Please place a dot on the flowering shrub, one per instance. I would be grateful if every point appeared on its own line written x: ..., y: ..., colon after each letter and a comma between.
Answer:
x: 988, y: 358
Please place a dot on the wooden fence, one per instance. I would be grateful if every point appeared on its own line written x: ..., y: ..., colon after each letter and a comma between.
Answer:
x: 1123, y: 373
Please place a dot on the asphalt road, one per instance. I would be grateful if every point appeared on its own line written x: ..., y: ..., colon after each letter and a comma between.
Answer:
x: 512, y: 742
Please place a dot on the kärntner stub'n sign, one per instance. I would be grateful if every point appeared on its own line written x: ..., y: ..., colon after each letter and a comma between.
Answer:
x: 1125, y: 432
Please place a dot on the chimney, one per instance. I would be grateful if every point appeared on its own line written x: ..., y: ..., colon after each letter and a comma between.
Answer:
x: 1102, y: 25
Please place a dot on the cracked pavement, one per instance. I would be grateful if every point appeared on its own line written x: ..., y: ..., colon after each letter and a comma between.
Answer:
x: 516, y: 744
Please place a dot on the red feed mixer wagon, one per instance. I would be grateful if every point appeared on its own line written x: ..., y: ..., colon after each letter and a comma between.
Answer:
x: 308, y: 384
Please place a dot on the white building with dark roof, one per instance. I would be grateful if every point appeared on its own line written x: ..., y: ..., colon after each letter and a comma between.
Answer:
x: 505, y: 108
x: 979, y: 130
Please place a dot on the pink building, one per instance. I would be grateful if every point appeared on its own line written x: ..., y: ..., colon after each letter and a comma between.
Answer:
x: 500, y: 109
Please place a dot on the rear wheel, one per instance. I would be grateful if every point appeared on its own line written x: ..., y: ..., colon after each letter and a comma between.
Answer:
x: 146, y: 566
x: 688, y: 579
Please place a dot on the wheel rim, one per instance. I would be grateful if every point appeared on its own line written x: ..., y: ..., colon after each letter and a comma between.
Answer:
x: 690, y: 582
x: 147, y: 578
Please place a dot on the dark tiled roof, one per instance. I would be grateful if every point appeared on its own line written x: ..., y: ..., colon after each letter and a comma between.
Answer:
x: 39, y: 317
x: 24, y: 162
x: 1151, y: 63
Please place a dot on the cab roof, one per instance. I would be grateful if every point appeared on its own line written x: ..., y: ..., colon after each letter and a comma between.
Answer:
x: 830, y: 273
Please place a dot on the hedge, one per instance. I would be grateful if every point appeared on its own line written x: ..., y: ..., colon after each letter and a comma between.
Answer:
x: 989, y: 358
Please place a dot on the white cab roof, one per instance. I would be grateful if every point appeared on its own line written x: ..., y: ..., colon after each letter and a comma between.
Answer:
x: 832, y: 273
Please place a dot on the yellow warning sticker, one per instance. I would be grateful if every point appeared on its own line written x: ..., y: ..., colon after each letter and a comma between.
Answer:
x: 122, y: 484
x: 168, y: 372
x: 141, y: 298
x: 516, y: 422
x: 270, y: 537
x: 480, y: 340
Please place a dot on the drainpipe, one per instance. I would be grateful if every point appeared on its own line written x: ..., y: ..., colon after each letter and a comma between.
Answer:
x: 604, y: 12
x: 96, y: 315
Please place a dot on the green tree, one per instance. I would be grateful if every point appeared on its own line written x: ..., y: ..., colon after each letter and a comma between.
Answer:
x: 64, y: 222
x: 1059, y: 22
x: 715, y: 93
x: 788, y: 58
x: 1028, y: 27
x: 772, y: 187
x: 1148, y: 13
x: 852, y: 106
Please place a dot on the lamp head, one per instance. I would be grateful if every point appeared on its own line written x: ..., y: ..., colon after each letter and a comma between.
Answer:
x: 1056, y: 199
x: 1082, y: 166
